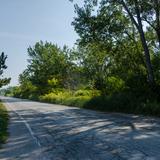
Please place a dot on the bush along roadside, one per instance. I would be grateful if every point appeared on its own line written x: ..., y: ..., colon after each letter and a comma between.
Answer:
x: 126, y: 102
x: 70, y: 98
x: 3, y: 123
x: 135, y: 101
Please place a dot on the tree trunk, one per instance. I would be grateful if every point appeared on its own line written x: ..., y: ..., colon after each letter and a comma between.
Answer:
x: 148, y: 59
x: 139, y: 27
x: 145, y: 47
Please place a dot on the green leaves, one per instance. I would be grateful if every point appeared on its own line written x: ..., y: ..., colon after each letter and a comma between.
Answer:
x: 114, y: 22
x: 3, y: 81
x: 115, y: 50
x: 49, y: 67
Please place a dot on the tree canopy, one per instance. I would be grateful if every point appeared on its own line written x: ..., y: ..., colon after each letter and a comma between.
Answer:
x: 3, y: 81
x: 114, y: 64
x: 113, y: 22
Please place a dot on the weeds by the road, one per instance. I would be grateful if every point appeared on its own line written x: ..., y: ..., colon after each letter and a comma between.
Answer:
x: 77, y: 99
x: 3, y: 123
x: 120, y: 102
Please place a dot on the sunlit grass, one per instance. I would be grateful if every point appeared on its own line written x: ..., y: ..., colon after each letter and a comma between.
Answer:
x: 120, y: 102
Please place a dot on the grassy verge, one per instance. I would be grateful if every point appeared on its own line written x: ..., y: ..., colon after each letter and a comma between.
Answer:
x: 77, y: 99
x: 3, y: 123
x: 137, y: 102
x: 125, y: 103
x: 120, y: 102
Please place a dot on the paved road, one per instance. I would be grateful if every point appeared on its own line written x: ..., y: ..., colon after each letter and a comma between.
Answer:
x: 40, y: 131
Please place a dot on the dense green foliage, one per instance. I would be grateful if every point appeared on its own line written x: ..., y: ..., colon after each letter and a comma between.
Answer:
x: 3, y: 81
x: 114, y: 67
x: 3, y: 111
x: 3, y: 123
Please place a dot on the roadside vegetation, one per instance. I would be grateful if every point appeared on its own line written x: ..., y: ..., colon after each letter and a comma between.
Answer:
x: 114, y: 66
x: 3, y: 124
x: 3, y: 111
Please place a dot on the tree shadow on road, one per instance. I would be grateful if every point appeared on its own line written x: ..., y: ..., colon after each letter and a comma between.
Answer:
x: 83, y: 134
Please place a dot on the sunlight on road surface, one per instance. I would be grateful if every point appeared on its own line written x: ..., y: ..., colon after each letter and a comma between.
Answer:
x: 71, y: 133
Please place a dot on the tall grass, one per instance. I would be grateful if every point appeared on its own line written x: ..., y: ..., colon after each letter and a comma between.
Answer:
x: 125, y: 102
x: 3, y: 123
x: 77, y: 99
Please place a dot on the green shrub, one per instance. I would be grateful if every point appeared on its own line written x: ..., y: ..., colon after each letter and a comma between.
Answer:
x: 55, y: 97
x: 76, y: 101
x: 114, y: 85
x: 150, y: 108
x: 126, y: 102
x: 90, y: 93
x: 67, y: 98
x: 3, y: 123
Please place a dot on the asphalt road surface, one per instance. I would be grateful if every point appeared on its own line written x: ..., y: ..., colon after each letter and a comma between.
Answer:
x: 40, y: 131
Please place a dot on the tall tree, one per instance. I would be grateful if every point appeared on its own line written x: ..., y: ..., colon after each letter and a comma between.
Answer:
x: 3, y: 81
x: 117, y: 13
x: 133, y: 10
x: 46, y: 62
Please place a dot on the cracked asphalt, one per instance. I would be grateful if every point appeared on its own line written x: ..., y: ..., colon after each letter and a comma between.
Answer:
x: 40, y: 131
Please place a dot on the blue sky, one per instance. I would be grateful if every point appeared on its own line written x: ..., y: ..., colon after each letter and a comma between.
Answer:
x: 24, y: 22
